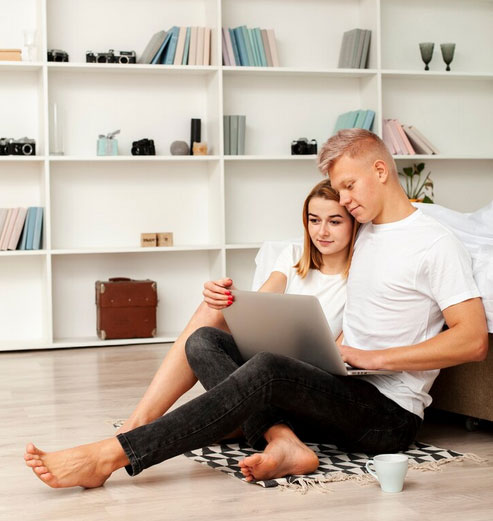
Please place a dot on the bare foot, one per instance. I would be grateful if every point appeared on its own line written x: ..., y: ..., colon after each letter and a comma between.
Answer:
x: 284, y: 455
x: 86, y: 466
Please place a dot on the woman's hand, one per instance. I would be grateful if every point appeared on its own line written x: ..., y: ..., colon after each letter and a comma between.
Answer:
x: 217, y: 294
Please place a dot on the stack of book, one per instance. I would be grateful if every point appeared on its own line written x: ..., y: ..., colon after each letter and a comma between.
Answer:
x: 355, y: 119
x: 234, y: 135
x: 20, y: 228
x: 179, y: 46
x: 250, y: 47
x: 405, y: 139
x: 355, y: 49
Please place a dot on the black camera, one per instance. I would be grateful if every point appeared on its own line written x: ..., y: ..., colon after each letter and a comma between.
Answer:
x: 111, y: 57
x: 143, y: 147
x: 303, y: 147
x: 17, y: 147
x: 57, y: 55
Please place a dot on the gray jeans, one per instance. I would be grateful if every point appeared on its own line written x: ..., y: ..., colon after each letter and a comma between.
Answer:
x: 267, y: 390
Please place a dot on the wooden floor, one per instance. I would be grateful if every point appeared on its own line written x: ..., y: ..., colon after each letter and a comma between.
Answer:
x: 66, y: 397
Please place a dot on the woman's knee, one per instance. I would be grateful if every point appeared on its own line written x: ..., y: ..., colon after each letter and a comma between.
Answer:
x: 196, y: 342
x: 265, y: 362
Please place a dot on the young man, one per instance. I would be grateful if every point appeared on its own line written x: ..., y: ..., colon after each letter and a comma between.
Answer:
x: 409, y: 274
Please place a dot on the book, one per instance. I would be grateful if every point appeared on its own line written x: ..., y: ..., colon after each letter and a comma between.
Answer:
x: 186, y: 50
x: 152, y: 47
x: 366, y: 50
x: 192, y: 54
x: 207, y: 46
x: 253, y: 45
x: 226, y: 60
x: 10, y: 228
x: 370, y: 117
x: 241, y: 135
x: 347, y: 51
x: 238, y: 34
x: 199, y: 58
x: 3, y: 218
x: 273, y: 47
x: 407, y: 144
x: 233, y: 135
x: 357, y: 48
x: 343, y: 50
x: 30, y: 228
x: 17, y: 229
x: 169, y: 57
x: 265, y: 41
x: 30, y: 212
x: 260, y: 45
x: 386, y: 137
x: 160, y: 53
x: 226, y: 133
x: 393, y: 138
x: 3, y: 234
x: 236, y: 53
x: 419, y: 146
x: 394, y: 127
x: 425, y: 140
x: 248, y: 45
x: 38, y: 227
x: 360, y: 119
x: 180, y: 46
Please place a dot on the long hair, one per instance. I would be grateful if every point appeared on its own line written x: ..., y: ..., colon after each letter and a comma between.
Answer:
x: 311, y: 257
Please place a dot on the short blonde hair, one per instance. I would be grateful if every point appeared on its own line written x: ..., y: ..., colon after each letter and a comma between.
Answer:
x: 354, y: 143
x: 311, y: 257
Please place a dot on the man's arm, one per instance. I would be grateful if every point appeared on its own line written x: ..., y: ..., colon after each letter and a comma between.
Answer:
x: 466, y: 340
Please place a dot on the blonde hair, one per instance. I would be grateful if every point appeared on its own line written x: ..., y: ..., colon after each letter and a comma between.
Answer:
x: 311, y: 257
x: 355, y: 143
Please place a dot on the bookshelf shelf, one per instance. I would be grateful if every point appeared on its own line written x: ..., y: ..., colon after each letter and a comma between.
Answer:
x: 220, y: 208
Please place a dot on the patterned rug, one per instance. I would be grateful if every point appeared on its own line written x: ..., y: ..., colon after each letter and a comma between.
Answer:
x: 335, y: 465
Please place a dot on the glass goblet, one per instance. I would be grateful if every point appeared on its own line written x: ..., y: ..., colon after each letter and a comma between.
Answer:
x: 426, y: 49
x: 448, y: 50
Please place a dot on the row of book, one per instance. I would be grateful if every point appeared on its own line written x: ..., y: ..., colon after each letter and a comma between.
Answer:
x: 20, y: 228
x: 355, y: 49
x: 355, y: 119
x: 179, y: 46
x: 250, y: 47
x: 405, y: 139
x: 234, y: 135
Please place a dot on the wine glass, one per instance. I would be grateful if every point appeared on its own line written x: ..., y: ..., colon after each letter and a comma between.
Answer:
x: 30, y: 44
x: 426, y: 49
x: 448, y: 50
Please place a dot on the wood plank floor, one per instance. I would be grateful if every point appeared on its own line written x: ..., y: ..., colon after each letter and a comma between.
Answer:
x: 63, y: 398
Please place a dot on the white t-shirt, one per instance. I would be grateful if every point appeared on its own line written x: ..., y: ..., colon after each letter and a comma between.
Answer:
x: 403, y: 275
x: 329, y: 289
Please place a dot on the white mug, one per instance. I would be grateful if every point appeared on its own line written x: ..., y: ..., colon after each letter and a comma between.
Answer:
x: 390, y: 470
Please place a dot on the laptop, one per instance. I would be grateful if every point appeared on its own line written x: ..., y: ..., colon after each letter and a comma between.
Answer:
x: 289, y: 325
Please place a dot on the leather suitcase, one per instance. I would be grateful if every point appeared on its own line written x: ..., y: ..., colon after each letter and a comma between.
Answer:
x: 126, y: 308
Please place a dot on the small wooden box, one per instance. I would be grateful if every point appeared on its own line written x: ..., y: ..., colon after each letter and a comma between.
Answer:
x: 11, y: 55
x: 148, y: 240
x: 165, y: 239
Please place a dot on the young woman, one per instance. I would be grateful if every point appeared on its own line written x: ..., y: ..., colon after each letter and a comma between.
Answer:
x: 247, y: 396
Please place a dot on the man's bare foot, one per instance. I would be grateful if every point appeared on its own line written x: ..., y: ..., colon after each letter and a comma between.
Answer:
x: 284, y: 455
x: 86, y: 466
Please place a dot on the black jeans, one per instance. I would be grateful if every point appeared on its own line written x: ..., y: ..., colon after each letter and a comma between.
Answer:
x: 266, y: 390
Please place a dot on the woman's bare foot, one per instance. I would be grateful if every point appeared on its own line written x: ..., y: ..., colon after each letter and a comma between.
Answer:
x: 86, y: 466
x: 284, y: 455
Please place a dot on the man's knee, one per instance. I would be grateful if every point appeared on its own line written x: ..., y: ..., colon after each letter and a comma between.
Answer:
x: 267, y: 362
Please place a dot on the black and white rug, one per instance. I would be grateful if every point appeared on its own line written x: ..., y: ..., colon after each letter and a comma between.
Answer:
x: 335, y: 465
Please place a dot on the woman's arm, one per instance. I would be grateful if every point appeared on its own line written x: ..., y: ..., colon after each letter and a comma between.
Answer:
x: 276, y: 283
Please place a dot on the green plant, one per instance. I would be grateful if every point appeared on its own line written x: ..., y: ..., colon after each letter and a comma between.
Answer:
x: 416, y: 187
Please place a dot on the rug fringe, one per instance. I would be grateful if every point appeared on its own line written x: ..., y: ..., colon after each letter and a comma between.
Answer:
x: 436, y: 465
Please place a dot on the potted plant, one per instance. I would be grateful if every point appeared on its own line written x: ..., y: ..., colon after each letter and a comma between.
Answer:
x: 417, y: 189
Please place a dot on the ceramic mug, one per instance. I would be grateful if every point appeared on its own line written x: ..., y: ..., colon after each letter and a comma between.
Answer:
x: 390, y: 471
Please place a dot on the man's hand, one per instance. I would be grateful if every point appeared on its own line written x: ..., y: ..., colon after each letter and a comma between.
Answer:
x: 360, y: 358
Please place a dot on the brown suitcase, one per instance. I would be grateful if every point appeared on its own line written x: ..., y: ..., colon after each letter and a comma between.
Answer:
x: 126, y: 308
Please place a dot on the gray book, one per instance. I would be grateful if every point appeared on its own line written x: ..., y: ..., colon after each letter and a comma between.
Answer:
x: 359, y: 50
x: 363, y: 64
x: 343, y: 50
x: 233, y: 135
x: 152, y: 47
x: 348, y: 52
x: 241, y: 135
x: 226, y: 130
x: 354, y: 60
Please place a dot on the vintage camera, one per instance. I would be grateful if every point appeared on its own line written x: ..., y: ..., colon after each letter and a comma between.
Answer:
x: 143, y: 147
x: 17, y: 147
x: 57, y: 55
x: 302, y: 147
x: 4, y: 146
x: 111, y: 57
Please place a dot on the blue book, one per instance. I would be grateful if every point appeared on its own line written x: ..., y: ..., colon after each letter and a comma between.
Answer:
x: 241, y: 46
x: 253, y: 43
x: 260, y: 47
x: 360, y: 119
x: 30, y: 227
x: 30, y: 212
x: 169, y: 57
x: 187, y: 47
x: 370, y: 117
x: 38, y: 226
x: 248, y: 45
x: 235, y: 47
x: 160, y: 53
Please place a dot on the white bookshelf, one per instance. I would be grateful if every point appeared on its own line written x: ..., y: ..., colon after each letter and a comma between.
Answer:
x: 219, y: 208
